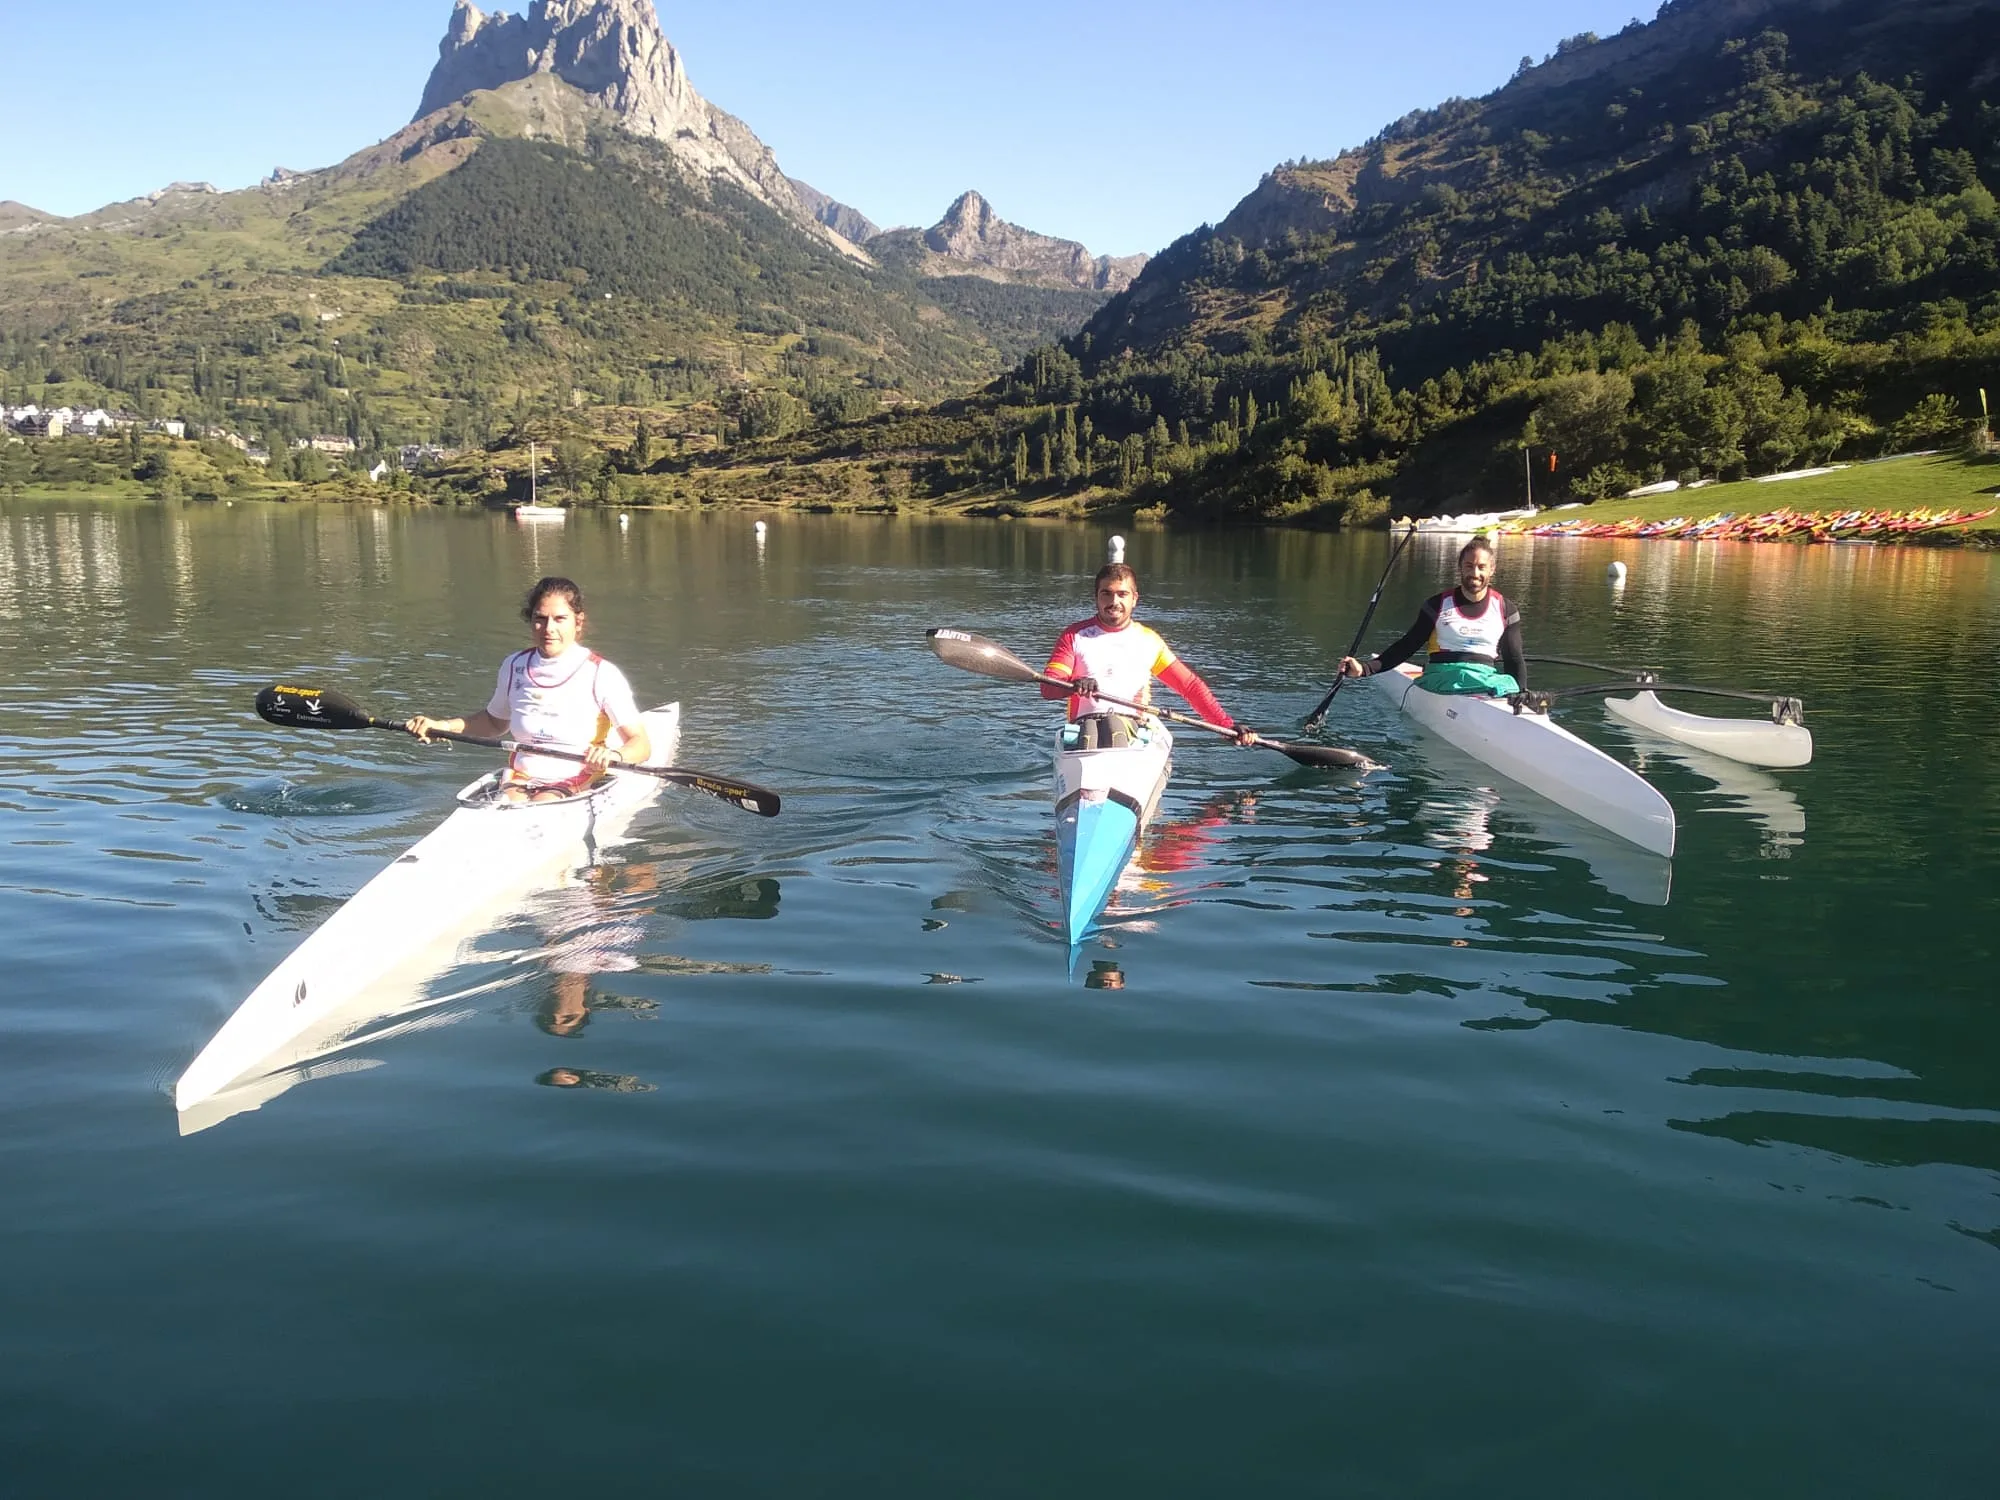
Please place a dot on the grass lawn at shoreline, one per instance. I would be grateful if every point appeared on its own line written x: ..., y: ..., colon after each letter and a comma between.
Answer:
x: 1927, y: 481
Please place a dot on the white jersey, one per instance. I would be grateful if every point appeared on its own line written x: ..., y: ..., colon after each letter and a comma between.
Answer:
x: 567, y: 702
x: 1463, y: 634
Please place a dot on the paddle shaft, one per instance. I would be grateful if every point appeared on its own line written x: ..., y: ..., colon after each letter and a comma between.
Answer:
x: 750, y: 798
x: 1318, y: 716
x: 1305, y: 755
x: 323, y: 708
x: 975, y: 653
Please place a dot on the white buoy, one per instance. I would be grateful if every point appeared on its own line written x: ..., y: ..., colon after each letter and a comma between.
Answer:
x: 1616, y: 572
x: 760, y: 530
x: 1114, y: 550
x: 623, y: 520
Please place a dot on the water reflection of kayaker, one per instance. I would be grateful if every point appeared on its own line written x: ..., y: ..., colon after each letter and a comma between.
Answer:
x: 590, y: 1078
x: 595, y: 927
x: 1472, y: 633
x: 1113, y: 653
x: 1176, y: 845
x: 560, y: 694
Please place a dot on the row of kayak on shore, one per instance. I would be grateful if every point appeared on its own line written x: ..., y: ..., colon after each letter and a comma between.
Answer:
x: 1781, y: 525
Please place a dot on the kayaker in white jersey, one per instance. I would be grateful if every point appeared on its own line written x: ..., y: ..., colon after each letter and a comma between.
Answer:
x: 1112, y: 652
x: 1472, y: 633
x: 560, y: 694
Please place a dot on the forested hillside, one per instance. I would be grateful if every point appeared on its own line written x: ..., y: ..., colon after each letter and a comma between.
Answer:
x: 1743, y: 237
x: 495, y: 264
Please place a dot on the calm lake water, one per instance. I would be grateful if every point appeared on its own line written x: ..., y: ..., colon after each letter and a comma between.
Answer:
x: 1435, y: 1145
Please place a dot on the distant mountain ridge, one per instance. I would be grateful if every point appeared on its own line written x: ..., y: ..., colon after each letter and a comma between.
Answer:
x: 972, y: 240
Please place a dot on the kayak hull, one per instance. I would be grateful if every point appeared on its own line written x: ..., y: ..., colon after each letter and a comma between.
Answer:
x: 1541, y: 755
x: 1104, y: 799
x: 480, y: 862
x: 1755, y: 742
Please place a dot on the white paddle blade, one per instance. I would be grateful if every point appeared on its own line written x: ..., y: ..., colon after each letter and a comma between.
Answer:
x: 974, y: 653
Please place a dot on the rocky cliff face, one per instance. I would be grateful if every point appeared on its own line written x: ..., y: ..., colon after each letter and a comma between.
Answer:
x: 849, y: 223
x: 972, y: 239
x: 613, y: 52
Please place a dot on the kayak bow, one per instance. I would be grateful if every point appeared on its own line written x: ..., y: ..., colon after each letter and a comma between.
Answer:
x: 1104, y: 798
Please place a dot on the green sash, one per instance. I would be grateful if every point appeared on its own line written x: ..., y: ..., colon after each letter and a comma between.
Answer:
x: 1467, y: 677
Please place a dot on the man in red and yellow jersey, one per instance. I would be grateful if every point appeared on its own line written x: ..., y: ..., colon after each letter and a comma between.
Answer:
x: 1112, y: 653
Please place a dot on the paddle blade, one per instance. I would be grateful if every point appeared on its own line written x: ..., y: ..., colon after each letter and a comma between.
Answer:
x: 738, y: 793
x: 974, y: 653
x: 1326, y: 757
x: 310, y: 708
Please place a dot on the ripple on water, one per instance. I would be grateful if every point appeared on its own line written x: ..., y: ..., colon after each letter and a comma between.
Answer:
x: 275, y: 797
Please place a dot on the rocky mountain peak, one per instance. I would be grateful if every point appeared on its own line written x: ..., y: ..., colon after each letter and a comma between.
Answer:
x: 971, y: 233
x: 614, y: 53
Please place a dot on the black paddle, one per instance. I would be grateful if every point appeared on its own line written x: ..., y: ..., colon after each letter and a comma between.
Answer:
x: 322, y: 708
x: 974, y: 653
x: 1318, y: 716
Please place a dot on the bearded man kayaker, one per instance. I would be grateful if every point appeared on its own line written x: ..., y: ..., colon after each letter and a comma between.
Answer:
x: 559, y: 693
x: 1472, y: 633
x: 1112, y: 653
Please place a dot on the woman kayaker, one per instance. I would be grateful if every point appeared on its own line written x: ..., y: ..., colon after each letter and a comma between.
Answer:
x: 560, y: 694
x: 1114, y: 653
x: 1472, y: 633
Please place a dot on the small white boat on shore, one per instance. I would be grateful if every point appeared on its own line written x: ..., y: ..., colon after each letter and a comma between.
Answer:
x: 534, y: 510
x: 1470, y: 524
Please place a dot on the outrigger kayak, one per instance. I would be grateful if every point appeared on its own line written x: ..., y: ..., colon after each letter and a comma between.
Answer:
x: 478, y: 863
x: 1756, y: 742
x: 1104, y: 798
x: 1532, y: 749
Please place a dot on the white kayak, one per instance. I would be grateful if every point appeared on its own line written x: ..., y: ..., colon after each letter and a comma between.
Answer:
x: 1104, y: 798
x: 1756, y: 742
x: 480, y: 862
x: 1541, y: 755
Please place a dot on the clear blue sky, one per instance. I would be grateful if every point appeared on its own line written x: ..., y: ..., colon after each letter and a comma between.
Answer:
x: 1121, y: 124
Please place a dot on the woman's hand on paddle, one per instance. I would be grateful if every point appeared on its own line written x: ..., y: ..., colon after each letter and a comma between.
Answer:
x: 1245, y: 738
x: 599, y: 757
x: 1349, y: 667
x: 421, y: 727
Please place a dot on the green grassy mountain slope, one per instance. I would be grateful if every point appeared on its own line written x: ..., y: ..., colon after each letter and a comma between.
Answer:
x: 452, y: 280
x: 1750, y: 234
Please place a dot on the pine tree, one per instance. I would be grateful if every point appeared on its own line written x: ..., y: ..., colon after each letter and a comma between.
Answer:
x: 1020, y: 460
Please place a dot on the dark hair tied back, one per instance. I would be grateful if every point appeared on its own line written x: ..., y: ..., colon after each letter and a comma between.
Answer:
x: 547, y: 586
